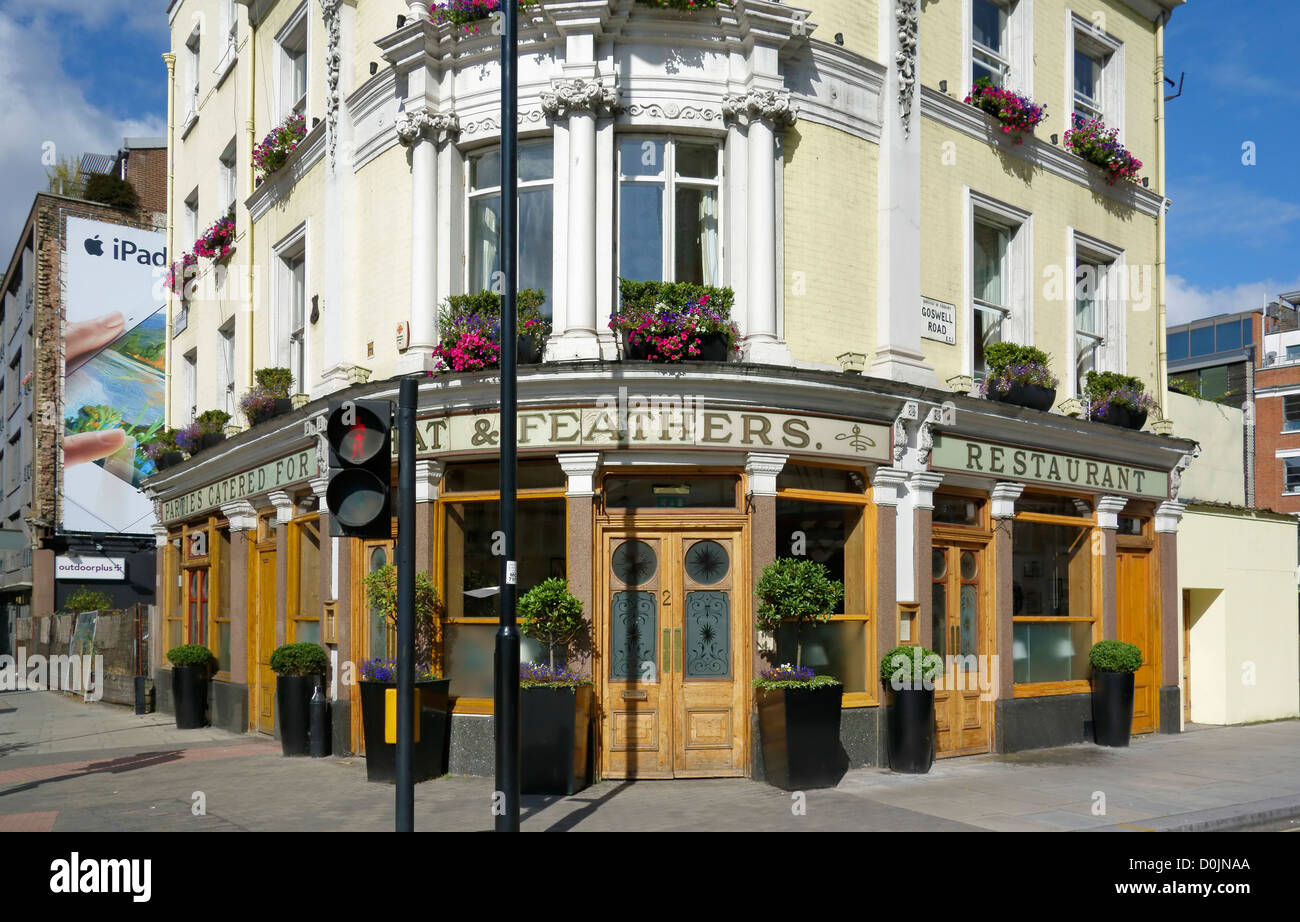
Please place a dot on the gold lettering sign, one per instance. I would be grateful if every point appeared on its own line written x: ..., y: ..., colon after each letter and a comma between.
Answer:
x: 1012, y: 463
x: 671, y: 424
x: 273, y: 475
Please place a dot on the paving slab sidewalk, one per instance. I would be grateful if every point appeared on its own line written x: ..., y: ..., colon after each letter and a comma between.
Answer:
x: 70, y: 765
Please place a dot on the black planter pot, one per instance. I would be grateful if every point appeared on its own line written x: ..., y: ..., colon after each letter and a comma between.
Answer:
x: 1026, y: 395
x: 1112, y: 707
x: 800, y: 729
x: 637, y: 352
x: 529, y: 349
x: 1119, y: 415
x: 169, y: 459
x: 209, y: 439
x: 713, y: 348
x: 293, y: 698
x: 430, y: 756
x: 282, y: 405
x: 190, y: 696
x: 553, y: 739
x: 911, y: 731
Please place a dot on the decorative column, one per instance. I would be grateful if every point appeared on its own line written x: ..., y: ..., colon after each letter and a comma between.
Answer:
x: 765, y: 545
x: 1108, y: 510
x: 428, y: 476
x: 283, y: 504
x: 580, y: 102
x: 243, y: 519
x: 580, y: 470
x: 765, y: 112
x: 887, y: 486
x: 1168, y: 515
x: 1003, y: 510
x: 921, y: 487
x: 898, y: 239
x: 161, y: 575
x: 418, y: 130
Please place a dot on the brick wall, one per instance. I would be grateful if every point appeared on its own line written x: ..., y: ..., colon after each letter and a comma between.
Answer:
x: 1270, y: 477
x: 146, y: 169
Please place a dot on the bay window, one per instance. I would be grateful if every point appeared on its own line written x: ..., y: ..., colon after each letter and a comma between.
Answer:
x: 668, y: 210
x: 536, y: 226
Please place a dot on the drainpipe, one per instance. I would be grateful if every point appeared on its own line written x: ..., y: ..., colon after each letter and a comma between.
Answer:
x: 169, y: 59
x: 250, y: 126
x: 1162, y: 356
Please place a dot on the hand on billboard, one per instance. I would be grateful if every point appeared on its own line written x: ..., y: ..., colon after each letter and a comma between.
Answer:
x: 86, y: 337
x: 83, y: 340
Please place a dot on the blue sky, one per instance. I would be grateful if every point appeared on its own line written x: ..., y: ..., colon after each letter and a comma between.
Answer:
x: 84, y: 75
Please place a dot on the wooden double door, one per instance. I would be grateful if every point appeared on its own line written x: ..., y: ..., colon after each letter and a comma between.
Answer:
x: 960, y: 632
x: 673, y: 633
x: 1138, y: 622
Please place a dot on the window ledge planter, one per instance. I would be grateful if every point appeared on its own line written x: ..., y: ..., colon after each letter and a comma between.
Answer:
x: 1026, y: 395
x: 1015, y: 115
x: 673, y: 322
x: 800, y: 730
x: 1119, y: 415
x: 554, y: 736
x: 169, y: 459
x: 1019, y: 375
x: 430, y: 755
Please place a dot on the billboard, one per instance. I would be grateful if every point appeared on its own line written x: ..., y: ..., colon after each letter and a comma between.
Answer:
x: 114, y: 337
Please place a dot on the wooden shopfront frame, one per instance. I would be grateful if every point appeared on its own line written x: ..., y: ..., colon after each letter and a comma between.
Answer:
x: 195, y: 574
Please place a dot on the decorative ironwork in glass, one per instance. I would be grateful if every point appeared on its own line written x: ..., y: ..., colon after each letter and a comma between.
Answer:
x: 708, y: 634
x: 634, y: 562
x: 633, y: 619
x: 707, y: 562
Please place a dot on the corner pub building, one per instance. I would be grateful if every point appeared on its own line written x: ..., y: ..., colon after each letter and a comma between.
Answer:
x: 1008, y: 538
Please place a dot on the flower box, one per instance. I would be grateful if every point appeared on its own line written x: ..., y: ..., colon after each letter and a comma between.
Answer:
x: 1026, y: 395
x: 1019, y: 375
x: 279, y: 143
x: 1117, y: 400
x: 1091, y: 140
x: 1018, y: 114
x: 471, y: 331
x: 675, y: 322
x: 466, y: 15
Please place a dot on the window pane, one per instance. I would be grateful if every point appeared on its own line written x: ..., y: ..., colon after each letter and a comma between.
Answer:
x: 484, y: 240
x: 1292, y: 353
x: 1052, y: 570
x: 641, y: 232
x: 307, y: 631
x: 1291, y: 413
x: 697, y: 161
x: 641, y: 157
x: 223, y: 646
x: 1046, y: 652
x: 1087, y: 286
x: 670, y: 493
x: 988, y: 329
x: 1214, y: 381
x: 990, y: 251
x: 379, y: 629
x: 473, y: 571
x: 1086, y: 71
x: 826, y: 479
x: 1247, y: 332
x: 835, y: 648
x: 469, y: 657
x: 485, y: 476
x: 536, y: 162
x: 697, y: 236
x: 485, y: 171
x: 1228, y: 336
x: 536, y: 238
x: 831, y: 534
x: 987, y: 19
x: 309, y: 570
x: 1203, y: 341
x: 1176, y: 344
x: 1047, y: 504
x: 979, y: 69
x: 1292, y: 474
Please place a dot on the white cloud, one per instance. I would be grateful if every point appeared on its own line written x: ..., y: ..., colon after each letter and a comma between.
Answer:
x: 41, y: 104
x: 1186, y: 302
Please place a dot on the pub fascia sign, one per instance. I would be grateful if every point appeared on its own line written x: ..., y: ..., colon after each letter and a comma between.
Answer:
x: 970, y: 456
x: 273, y: 475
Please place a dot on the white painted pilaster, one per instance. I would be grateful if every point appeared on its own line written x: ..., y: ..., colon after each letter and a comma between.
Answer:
x: 1108, y: 510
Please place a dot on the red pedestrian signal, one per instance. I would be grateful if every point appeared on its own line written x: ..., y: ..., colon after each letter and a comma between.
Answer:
x: 359, y: 433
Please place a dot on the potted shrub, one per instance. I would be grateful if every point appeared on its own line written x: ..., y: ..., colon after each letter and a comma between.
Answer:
x: 269, y: 396
x: 1017, y: 113
x: 554, y: 702
x: 162, y: 449
x: 212, y: 427
x: 675, y: 322
x: 1099, y: 145
x: 278, y: 144
x: 378, y: 677
x: 798, y: 711
x: 1113, y: 664
x: 298, y: 668
x: 909, y: 673
x: 192, y: 666
x: 1117, y: 400
x: 1019, y: 375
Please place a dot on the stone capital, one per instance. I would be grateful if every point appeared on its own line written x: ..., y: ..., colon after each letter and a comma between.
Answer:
x: 567, y: 97
x: 580, y: 468
x: 886, y: 485
x: 763, y: 469
x: 428, y: 475
x: 241, y: 515
x: 922, y: 485
x: 1108, y: 510
x: 771, y: 106
x: 420, y: 124
x: 1168, y: 515
x: 283, y: 504
x: 1004, y: 497
x: 159, y: 535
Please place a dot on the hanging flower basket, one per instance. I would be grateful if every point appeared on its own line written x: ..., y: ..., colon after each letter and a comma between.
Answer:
x: 217, y: 242
x: 181, y: 273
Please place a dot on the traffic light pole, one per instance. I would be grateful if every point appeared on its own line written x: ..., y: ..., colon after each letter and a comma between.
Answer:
x: 406, y: 401
x: 506, y: 803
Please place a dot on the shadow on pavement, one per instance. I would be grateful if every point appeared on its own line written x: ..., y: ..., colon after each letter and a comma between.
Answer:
x: 112, y: 766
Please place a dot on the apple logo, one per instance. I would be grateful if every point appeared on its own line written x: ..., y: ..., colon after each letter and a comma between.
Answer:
x: 94, y: 246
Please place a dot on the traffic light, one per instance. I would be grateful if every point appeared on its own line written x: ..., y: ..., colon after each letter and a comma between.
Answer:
x: 360, y: 439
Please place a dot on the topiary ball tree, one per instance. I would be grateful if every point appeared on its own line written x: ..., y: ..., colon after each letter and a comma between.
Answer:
x: 1115, y: 656
x: 551, y: 614
x: 303, y: 658
x: 799, y: 591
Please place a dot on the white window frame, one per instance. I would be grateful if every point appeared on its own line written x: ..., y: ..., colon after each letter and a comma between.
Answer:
x: 1018, y: 321
x: 289, y: 333
x: 190, y: 385
x: 1107, y: 341
x: 293, y: 43
x: 1082, y: 35
x: 472, y: 194
x: 671, y: 182
x: 230, y: 41
x: 1285, y: 429
x: 226, y: 359
x: 1018, y: 46
x: 1284, y: 457
x: 193, y: 50
x: 192, y: 217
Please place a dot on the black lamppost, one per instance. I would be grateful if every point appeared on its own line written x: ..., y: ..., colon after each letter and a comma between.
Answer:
x: 505, y: 805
